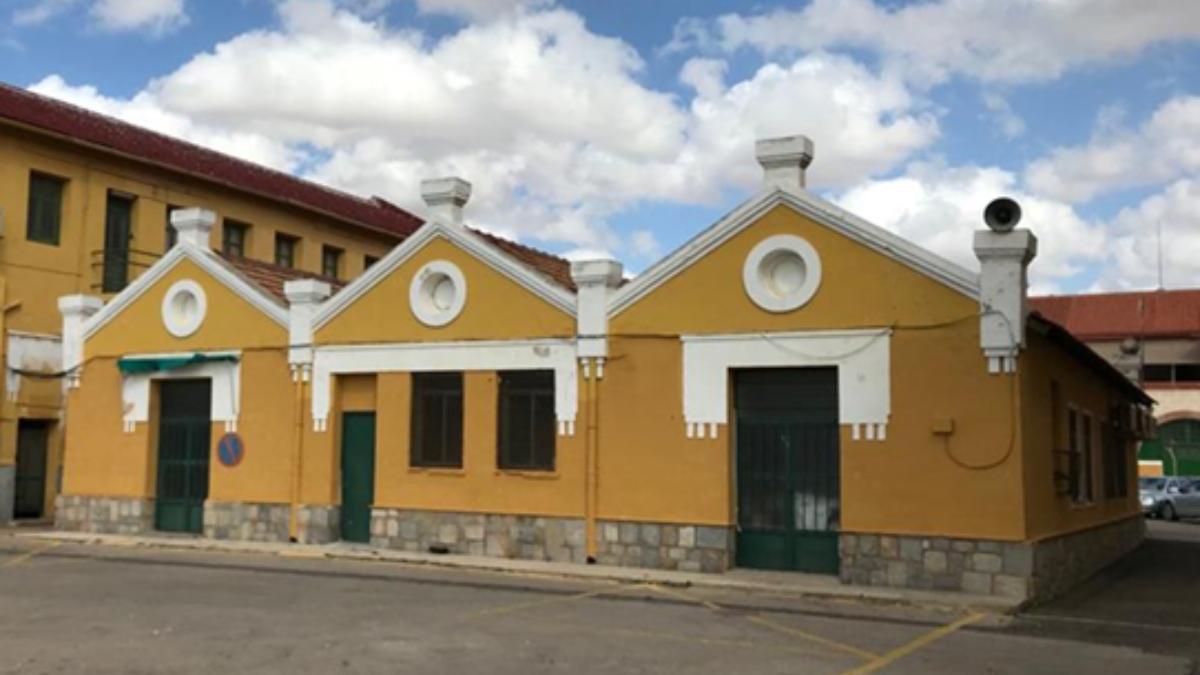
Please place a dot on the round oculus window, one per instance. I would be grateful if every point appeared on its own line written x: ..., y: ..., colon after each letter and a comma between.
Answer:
x: 438, y: 293
x: 183, y: 308
x: 781, y: 273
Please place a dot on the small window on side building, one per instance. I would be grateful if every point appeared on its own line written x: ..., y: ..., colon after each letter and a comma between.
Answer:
x: 368, y: 261
x: 285, y: 249
x: 233, y: 238
x: 44, y: 220
x: 331, y: 262
x: 526, y: 422
x: 437, y: 420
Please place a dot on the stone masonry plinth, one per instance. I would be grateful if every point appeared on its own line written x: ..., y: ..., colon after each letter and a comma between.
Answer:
x: 104, y: 515
x: 497, y: 535
x: 688, y: 548
x: 1020, y: 570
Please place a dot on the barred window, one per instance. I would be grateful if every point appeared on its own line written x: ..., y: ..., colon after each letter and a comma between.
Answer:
x: 437, y: 420
x: 233, y: 238
x: 526, y: 434
x: 44, y: 220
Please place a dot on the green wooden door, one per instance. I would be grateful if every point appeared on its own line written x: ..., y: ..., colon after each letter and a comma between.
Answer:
x: 358, y: 475
x: 788, y: 473
x: 184, y: 445
x: 117, y: 233
x: 31, y: 469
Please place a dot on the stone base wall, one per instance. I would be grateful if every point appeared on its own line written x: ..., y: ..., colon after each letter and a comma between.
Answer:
x: 1064, y: 562
x: 319, y: 524
x: 1019, y: 570
x: 246, y: 521
x: 104, y: 515
x: 8, y: 493
x: 501, y: 536
x: 689, y: 548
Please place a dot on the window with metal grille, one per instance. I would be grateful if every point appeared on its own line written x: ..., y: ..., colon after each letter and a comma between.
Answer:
x: 44, y: 221
x: 437, y: 420
x: 285, y: 249
x: 526, y: 434
x: 170, y: 236
x: 118, y: 233
x: 1079, y: 444
x: 1116, y: 463
x: 331, y: 261
x: 233, y: 238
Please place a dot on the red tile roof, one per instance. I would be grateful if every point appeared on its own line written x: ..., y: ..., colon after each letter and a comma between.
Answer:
x: 555, y: 269
x: 270, y: 278
x: 1115, y: 316
x: 82, y: 126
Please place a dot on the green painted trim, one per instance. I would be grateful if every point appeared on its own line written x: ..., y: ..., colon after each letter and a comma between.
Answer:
x: 134, y: 365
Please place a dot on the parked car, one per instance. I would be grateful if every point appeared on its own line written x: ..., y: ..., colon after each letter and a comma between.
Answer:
x: 1170, y: 497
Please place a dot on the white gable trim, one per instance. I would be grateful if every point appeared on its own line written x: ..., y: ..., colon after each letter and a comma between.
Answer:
x: 837, y: 219
x: 538, y: 354
x: 862, y: 358
x: 209, y: 262
x: 464, y: 239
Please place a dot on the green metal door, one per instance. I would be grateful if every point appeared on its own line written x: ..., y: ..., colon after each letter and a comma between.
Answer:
x: 358, y: 475
x: 31, y: 469
x: 184, y: 444
x: 788, y: 474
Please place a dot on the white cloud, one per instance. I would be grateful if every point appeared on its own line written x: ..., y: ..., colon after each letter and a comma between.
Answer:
x: 145, y: 111
x: 939, y: 207
x: 1135, y: 245
x: 478, y: 9
x: 1008, y: 123
x: 1163, y: 148
x: 155, y: 17
x: 1012, y: 41
x: 549, y: 121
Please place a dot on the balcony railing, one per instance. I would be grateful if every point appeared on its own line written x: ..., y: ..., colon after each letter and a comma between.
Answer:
x: 114, y: 268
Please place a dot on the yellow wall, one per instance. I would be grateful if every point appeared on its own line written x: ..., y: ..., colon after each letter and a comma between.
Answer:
x: 480, y: 486
x: 496, y: 308
x: 102, y: 459
x: 1050, y: 513
x: 34, y: 275
x: 230, y: 322
x: 908, y: 483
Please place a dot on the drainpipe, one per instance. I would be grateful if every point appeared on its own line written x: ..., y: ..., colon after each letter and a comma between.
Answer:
x: 304, y: 298
x: 595, y: 280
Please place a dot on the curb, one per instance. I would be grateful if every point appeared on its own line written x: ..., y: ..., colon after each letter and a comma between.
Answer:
x: 666, y: 578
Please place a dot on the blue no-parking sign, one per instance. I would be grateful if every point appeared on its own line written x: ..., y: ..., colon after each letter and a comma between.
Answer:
x: 230, y: 449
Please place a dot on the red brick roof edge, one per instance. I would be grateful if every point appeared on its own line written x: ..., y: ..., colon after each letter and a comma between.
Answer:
x: 1115, y: 316
x: 81, y: 126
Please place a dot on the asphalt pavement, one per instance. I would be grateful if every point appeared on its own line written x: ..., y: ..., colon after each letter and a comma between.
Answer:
x: 72, y: 608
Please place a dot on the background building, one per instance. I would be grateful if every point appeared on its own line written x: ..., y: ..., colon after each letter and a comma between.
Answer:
x: 1153, y: 337
x: 85, y: 202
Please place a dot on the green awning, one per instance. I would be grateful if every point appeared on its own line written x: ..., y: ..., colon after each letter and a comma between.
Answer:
x: 136, y: 365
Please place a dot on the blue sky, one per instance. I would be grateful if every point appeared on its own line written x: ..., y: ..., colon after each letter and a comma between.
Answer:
x: 623, y: 128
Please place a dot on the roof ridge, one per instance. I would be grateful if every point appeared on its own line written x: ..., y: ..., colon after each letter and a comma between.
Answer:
x: 279, y: 185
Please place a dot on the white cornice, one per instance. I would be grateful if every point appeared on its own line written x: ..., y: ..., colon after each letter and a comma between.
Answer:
x: 205, y: 259
x: 463, y: 238
x: 836, y: 218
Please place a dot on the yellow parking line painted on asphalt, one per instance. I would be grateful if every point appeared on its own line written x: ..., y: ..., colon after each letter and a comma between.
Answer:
x: 13, y: 562
x: 805, y: 635
x: 920, y: 643
x: 505, y: 609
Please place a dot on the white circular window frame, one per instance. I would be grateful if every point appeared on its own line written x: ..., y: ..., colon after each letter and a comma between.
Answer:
x: 425, y: 281
x: 768, y: 298
x: 178, y: 325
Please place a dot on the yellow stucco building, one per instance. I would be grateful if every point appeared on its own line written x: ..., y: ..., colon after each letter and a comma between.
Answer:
x: 794, y: 389
x: 84, y: 207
